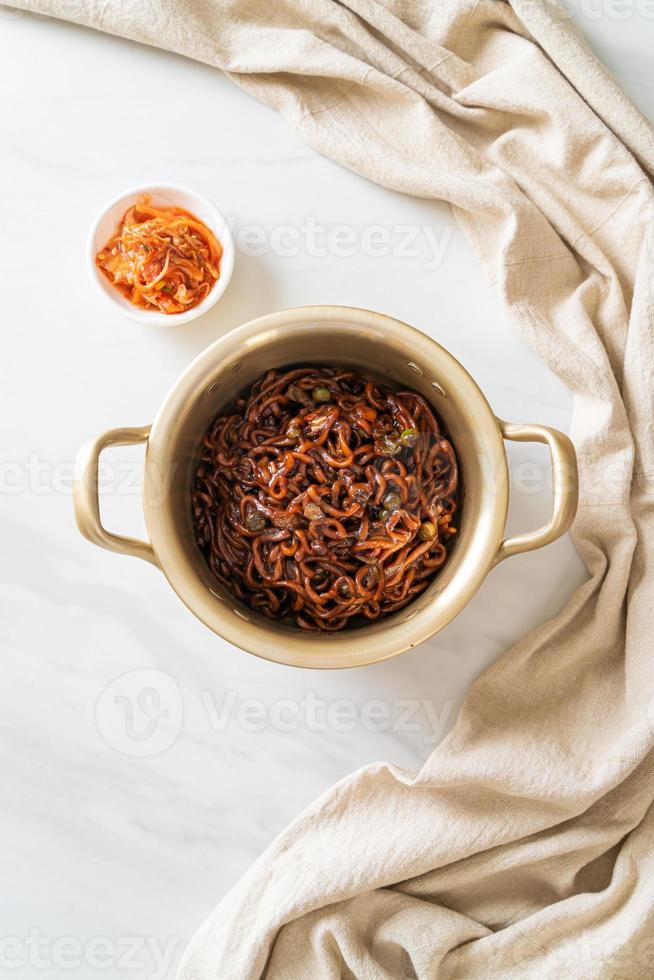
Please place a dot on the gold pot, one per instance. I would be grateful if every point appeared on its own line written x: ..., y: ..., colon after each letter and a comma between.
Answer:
x: 371, y: 342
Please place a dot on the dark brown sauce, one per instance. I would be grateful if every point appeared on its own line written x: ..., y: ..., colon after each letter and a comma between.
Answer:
x: 324, y: 496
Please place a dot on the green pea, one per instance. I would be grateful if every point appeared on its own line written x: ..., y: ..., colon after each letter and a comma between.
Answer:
x: 409, y: 438
x: 427, y: 531
x: 321, y: 394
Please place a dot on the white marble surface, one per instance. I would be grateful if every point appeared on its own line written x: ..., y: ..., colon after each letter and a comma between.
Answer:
x: 115, y: 848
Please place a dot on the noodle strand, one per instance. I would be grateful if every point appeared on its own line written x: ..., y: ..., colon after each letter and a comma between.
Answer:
x: 325, y: 497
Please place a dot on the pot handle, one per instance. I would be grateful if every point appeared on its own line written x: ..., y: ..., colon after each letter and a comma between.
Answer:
x: 565, y: 481
x: 86, y: 498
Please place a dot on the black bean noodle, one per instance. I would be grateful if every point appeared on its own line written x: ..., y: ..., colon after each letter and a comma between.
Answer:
x: 323, y: 496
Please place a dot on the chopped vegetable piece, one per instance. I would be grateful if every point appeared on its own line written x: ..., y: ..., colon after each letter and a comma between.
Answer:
x: 409, y: 438
x: 316, y: 423
x: 255, y: 521
x: 392, y: 501
x: 390, y: 445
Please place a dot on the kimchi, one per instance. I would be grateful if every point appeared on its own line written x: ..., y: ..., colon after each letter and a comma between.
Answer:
x: 162, y: 259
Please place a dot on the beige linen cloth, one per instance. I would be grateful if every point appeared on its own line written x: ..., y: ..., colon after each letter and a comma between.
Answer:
x: 524, y: 846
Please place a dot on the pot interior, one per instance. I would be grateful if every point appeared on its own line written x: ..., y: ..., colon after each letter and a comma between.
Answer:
x: 373, y: 345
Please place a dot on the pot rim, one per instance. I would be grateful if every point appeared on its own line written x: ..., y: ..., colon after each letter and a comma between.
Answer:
x: 346, y: 648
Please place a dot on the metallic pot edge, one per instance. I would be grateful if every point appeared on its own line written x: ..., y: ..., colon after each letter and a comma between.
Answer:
x: 392, y: 339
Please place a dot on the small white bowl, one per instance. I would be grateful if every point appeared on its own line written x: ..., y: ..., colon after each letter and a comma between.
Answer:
x: 106, y: 224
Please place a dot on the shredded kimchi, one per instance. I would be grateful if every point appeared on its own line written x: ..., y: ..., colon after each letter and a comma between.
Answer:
x: 161, y: 258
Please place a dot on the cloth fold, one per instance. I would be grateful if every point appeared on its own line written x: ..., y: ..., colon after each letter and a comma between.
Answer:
x: 522, y: 848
